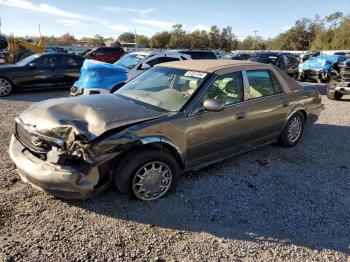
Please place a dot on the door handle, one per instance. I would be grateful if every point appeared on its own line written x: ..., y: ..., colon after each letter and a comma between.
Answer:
x: 240, y: 115
x: 285, y: 104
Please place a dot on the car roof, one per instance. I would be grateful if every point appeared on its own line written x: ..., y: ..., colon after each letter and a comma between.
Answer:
x: 208, y: 65
x: 148, y: 53
x: 191, y: 50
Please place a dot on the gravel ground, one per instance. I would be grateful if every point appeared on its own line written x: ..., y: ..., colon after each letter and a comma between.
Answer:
x: 272, y: 204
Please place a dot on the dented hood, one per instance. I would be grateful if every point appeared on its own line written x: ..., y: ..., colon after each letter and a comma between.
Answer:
x: 86, y: 116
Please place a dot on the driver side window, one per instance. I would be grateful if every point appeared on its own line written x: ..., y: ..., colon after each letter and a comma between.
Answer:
x: 229, y: 89
x: 45, y: 61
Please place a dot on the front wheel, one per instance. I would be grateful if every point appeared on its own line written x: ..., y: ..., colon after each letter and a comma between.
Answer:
x: 147, y: 175
x: 5, y: 87
x: 292, y: 131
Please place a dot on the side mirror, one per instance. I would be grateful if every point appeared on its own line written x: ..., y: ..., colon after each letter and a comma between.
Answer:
x: 32, y: 66
x: 145, y: 66
x: 213, y: 105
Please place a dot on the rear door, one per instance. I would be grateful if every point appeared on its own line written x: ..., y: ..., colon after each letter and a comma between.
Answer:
x: 268, y: 105
x: 68, y: 69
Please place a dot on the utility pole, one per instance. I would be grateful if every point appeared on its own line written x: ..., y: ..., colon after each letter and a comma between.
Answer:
x: 0, y: 25
x: 135, y: 40
x: 255, y: 31
x: 39, y: 30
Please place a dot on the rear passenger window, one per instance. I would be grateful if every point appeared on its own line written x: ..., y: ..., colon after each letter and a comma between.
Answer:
x: 260, y: 84
x: 276, y: 84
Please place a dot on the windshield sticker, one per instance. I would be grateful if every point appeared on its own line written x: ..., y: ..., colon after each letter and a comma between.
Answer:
x: 195, y: 74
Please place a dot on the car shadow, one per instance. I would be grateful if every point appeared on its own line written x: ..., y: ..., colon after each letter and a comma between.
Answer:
x: 296, y: 196
x: 36, y: 95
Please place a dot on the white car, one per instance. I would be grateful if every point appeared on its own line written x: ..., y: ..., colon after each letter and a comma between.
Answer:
x: 138, y: 62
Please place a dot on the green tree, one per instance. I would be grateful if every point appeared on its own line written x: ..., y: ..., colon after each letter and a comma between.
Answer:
x: 67, y: 39
x: 199, y: 39
x: 142, y: 41
x: 127, y: 37
x: 214, y: 37
x: 160, y: 40
x: 177, y: 39
x: 228, y: 40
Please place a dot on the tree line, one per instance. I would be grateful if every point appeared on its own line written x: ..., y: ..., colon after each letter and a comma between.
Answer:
x: 329, y: 33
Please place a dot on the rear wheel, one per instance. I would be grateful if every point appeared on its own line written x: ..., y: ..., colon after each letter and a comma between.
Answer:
x: 147, y: 175
x: 5, y: 87
x: 292, y: 131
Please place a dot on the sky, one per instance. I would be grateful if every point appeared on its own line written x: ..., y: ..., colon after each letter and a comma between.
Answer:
x: 110, y: 18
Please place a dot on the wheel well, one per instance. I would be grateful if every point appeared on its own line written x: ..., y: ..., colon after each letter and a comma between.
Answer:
x: 8, y: 79
x: 154, y: 146
x: 11, y: 82
x: 304, y: 114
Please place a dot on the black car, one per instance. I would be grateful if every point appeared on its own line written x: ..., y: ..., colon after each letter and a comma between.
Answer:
x: 238, y: 57
x: 199, y: 54
x: 40, y: 71
x: 286, y: 61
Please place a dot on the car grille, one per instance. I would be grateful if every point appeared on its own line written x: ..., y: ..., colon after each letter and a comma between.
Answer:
x: 311, y: 72
x: 345, y: 73
x: 31, y: 142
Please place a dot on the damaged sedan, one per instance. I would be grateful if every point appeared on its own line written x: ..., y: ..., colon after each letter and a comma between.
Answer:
x: 176, y: 117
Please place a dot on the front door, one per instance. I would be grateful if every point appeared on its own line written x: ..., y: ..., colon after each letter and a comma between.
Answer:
x: 40, y: 72
x: 213, y: 135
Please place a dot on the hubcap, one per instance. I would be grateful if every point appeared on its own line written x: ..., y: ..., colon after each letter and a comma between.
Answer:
x: 5, y: 87
x: 294, y: 129
x: 152, y: 181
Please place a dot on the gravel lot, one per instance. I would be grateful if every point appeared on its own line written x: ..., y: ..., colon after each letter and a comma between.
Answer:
x: 270, y: 204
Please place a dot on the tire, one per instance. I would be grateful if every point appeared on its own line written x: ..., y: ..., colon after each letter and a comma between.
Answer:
x: 6, y: 87
x: 295, y: 124
x: 334, y: 96
x: 337, y: 96
x: 138, y: 165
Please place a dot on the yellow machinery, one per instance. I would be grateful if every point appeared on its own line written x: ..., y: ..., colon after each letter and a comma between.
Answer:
x: 19, y: 48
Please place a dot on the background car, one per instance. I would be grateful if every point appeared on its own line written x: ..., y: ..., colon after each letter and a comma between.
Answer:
x: 198, y: 54
x: 287, y: 62
x: 40, y: 71
x: 175, y: 117
x: 340, y: 81
x: 105, y: 54
x: 108, y: 78
x: 138, y: 62
x: 319, y: 68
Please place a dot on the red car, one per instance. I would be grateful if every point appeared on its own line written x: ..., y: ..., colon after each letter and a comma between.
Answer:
x: 106, y: 54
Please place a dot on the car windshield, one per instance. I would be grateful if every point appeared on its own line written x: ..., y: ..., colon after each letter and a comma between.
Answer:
x: 27, y: 60
x: 129, y: 61
x: 165, y: 88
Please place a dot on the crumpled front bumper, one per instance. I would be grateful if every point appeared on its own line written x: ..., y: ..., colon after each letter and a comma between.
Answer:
x: 63, y: 181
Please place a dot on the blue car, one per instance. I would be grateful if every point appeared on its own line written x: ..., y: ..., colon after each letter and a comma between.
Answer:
x: 319, y: 68
x: 98, y: 77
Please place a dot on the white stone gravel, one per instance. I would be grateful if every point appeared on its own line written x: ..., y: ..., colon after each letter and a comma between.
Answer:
x: 272, y: 204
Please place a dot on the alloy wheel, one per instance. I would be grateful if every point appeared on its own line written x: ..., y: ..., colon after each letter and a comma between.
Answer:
x: 5, y: 87
x: 152, y: 181
x: 294, y: 129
